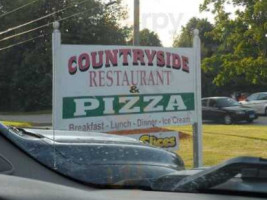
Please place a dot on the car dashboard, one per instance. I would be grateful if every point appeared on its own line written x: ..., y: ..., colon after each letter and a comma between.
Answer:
x: 15, y: 188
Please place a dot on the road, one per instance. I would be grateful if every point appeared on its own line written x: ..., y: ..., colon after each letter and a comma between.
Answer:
x: 261, y: 121
x: 40, y: 119
x: 46, y: 119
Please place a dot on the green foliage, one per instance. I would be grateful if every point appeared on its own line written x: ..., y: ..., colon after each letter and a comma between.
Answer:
x: 241, y: 56
x: 26, y: 70
x: 208, y: 47
x: 148, y: 38
x: 185, y: 39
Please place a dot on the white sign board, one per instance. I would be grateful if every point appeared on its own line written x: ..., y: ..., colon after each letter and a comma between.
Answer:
x: 166, y: 140
x: 107, y: 88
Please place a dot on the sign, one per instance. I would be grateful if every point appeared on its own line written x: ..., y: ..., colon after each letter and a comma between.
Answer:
x: 106, y: 88
x: 165, y: 140
x: 111, y: 88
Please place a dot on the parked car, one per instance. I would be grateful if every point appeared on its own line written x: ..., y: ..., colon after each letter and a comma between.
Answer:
x: 257, y: 101
x: 227, y: 110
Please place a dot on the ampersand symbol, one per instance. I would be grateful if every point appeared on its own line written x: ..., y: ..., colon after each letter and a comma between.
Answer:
x: 134, y: 90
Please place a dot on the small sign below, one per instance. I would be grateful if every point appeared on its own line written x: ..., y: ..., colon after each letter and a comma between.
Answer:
x: 165, y: 140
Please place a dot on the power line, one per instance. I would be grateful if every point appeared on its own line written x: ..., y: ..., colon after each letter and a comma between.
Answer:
x: 22, y: 33
x: 46, y: 25
x: 19, y: 8
x: 22, y: 42
x: 40, y: 27
x: 41, y: 18
x: 74, y: 15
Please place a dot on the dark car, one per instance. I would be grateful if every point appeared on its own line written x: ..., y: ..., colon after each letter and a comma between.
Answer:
x: 226, y: 110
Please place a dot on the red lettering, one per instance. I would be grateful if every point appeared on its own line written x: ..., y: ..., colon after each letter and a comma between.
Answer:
x: 132, y: 78
x: 72, y: 68
x: 118, y: 77
x: 150, y: 56
x: 125, y: 80
x: 101, y: 78
x: 125, y: 53
x: 168, y: 60
x: 160, y: 58
x: 160, y: 78
x: 151, y: 80
x: 143, y: 77
x: 111, y: 57
x: 84, y: 62
x: 168, y: 77
x: 110, y: 78
x: 92, y: 75
x: 97, y: 64
x: 176, y: 61
x: 185, y: 64
x: 138, y: 56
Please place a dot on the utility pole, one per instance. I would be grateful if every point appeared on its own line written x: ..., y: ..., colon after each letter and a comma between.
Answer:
x: 136, y: 40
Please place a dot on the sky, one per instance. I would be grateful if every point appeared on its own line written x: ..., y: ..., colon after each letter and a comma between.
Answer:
x: 166, y: 17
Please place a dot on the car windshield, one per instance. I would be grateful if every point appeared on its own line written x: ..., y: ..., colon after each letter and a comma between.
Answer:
x: 227, y: 102
x: 127, y: 92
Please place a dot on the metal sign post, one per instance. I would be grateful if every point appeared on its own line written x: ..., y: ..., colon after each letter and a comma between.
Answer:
x: 56, y: 42
x: 197, y: 126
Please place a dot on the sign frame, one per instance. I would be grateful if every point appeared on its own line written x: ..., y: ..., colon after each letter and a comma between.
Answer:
x: 197, y: 124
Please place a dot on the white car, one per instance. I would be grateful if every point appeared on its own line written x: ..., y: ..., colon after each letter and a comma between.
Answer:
x: 257, y: 101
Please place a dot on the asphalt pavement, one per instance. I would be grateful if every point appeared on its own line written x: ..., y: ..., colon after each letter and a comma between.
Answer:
x: 39, y: 119
x: 261, y: 121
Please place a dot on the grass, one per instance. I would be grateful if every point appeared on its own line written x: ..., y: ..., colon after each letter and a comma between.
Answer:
x: 222, y: 142
x: 17, y: 124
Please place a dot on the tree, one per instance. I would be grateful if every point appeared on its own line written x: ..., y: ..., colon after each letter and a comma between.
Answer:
x: 208, y: 47
x: 241, y: 56
x: 185, y: 39
x: 148, y: 38
x: 26, y: 69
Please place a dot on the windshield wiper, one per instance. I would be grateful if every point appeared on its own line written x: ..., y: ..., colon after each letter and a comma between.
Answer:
x: 211, y: 177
